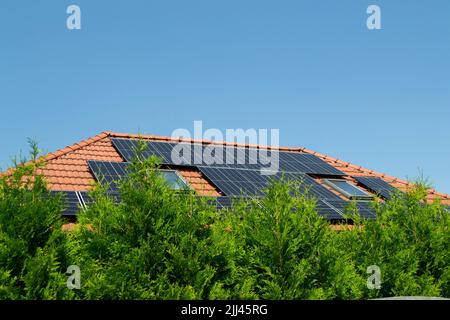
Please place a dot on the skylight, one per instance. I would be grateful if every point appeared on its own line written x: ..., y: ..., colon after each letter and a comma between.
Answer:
x: 348, y: 190
x: 175, y: 181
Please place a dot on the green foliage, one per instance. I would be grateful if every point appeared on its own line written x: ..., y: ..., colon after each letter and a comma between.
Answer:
x: 29, y: 226
x: 163, y: 244
x: 409, y: 242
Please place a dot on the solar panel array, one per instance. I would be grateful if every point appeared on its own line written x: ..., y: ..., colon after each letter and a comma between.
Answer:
x: 187, y: 154
x: 377, y: 185
x: 237, y: 182
x: 242, y: 177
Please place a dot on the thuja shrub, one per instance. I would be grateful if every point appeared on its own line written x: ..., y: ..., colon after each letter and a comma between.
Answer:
x: 280, y: 248
x: 161, y: 244
x: 157, y: 243
x: 408, y: 242
x: 30, y: 235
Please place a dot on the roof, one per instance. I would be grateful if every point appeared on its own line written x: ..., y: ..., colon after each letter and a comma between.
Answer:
x: 67, y: 169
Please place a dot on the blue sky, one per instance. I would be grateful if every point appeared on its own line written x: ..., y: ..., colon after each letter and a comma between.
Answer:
x: 311, y: 69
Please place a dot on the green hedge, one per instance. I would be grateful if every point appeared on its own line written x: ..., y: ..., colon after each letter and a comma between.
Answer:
x: 160, y: 244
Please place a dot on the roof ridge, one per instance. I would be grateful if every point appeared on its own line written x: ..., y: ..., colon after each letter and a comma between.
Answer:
x: 76, y: 146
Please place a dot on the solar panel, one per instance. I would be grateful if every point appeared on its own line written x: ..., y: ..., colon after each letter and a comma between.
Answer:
x: 71, y: 202
x: 224, y: 202
x: 112, y: 172
x: 330, y: 210
x: 365, y: 210
x: 108, y: 172
x: 226, y: 157
x: 87, y: 200
x: 314, y: 188
x: 307, y: 163
x: 237, y: 182
x: 233, y: 182
x: 127, y: 148
x: 74, y: 201
x: 377, y: 185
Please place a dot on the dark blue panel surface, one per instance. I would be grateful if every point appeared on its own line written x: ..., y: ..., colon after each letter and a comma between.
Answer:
x: 377, y: 185
x: 226, y: 157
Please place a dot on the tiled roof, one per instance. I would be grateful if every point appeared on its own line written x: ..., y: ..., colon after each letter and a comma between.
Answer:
x: 67, y: 169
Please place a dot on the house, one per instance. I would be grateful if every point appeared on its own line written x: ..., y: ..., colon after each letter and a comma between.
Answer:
x: 74, y: 170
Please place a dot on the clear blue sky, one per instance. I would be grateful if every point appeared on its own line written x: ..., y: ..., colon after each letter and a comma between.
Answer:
x: 312, y: 69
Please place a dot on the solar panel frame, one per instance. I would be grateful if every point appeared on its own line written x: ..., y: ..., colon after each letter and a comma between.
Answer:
x: 85, y: 199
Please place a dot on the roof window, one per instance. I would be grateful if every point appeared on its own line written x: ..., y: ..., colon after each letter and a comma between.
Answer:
x: 349, y: 190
